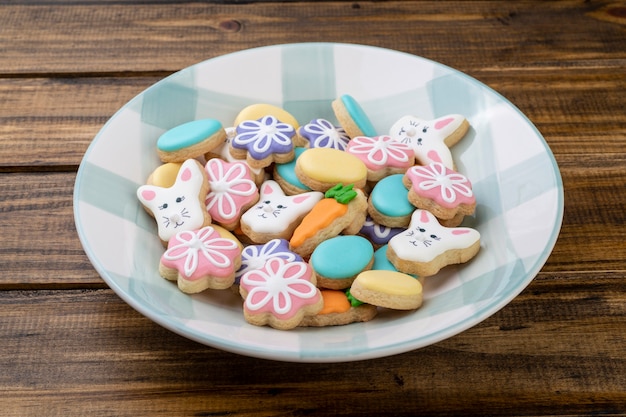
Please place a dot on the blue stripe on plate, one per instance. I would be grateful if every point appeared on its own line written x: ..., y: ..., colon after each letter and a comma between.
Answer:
x: 309, y: 81
x: 107, y: 190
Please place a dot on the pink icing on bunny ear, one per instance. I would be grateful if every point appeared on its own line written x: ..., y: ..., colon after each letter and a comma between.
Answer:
x: 460, y: 231
x: 148, y: 195
x: 440, y: 124
x: 424, y: 217
x: 186, y: 174
x: 434, y: 156
x: 300, y: 198
x: 268, y: 189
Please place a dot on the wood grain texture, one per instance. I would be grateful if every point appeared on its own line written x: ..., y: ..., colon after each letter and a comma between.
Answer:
x: 126, y: 365
x: 87, y: 38
x: 70, y: 347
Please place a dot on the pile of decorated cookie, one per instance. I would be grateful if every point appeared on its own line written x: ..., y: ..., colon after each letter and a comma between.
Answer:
x: 312, y: 224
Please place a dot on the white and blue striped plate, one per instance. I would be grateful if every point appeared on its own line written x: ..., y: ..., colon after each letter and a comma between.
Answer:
x: 516, y: 180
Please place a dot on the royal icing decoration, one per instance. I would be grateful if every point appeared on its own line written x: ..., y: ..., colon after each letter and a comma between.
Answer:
x: 255, y: 256
x: 358, y: 115
x: 231, y: 189
x: 287, y: 171
x: 332, y: 166
x: 196, y: 254
x: 342, y: 256
x: 381, y: 151
x: 263, y: 137
x: 188, y: 134
x: 223, y: 151
x: 377, y: 233
x: 320, y: 133
x: 177, y: 207
x: 280, y: 288
x: 446, y: 187
x: 428, y: 137
x: 425, y: 238
x: 390, y: 197
x: 276, y: 212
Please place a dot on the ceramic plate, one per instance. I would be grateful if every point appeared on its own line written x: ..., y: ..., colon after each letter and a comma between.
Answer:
x: 515, y: 177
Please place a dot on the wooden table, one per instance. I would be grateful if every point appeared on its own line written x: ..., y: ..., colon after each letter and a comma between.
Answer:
x: 70, y: 346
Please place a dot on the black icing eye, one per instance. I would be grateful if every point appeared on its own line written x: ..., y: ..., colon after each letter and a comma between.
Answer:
x: 421, y: 229
x: 425, y: 129
x: 163, y: 207
x: 179, y: 199
x: 434, y: 236
x: 280, y: 206
x: 267, y: 202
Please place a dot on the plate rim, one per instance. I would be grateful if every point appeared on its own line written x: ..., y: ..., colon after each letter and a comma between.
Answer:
x: 377, y: 352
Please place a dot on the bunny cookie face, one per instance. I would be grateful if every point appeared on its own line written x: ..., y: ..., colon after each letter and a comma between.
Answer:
x: 431, y: 139
x: 181, y: 206
x: 276, y: 215
x: 427, y: 246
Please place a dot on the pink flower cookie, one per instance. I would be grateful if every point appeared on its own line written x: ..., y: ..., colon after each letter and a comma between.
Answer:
x: 223, y: 152
x: 263, y: 141
x: 181, y: 206
x: 427, y: 246
x: 280, y: 294
x: 431, y: 139
x: 320, y: 133
x: 382, y: 155
x: 276, y: 215
x: 200, y: 259
x: 442, y: 191
x: 255, y: 256
x: 232, y: 191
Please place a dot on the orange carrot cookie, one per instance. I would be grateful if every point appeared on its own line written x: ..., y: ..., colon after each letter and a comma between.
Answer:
x: 339, y: 310
x: 342, y: 210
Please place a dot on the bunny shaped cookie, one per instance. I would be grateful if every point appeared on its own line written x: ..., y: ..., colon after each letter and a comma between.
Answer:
x: 181, y: 206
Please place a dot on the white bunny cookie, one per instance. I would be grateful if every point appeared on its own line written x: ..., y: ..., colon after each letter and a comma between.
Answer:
x: 431, y: 139
x: 181, y: 206
x: 427, y: 246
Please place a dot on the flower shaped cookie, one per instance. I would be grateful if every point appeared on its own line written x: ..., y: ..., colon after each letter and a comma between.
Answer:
x: 280, y: 294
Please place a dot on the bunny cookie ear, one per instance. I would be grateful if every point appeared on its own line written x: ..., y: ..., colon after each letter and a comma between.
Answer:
x: 190, y: 170
x: 451, y: 128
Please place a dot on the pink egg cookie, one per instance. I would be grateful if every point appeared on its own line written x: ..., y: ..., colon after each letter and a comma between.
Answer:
x: 181, y: 206
x: 280, y: 294
x: 200, y: 259
x: 431, y: 139
x: 427, y: 246
x: 232, y: 191
x: 442, y: 191
x: 382, y: 155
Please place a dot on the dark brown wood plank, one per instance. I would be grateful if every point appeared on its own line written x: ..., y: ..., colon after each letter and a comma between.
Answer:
x: 551, y: 351
x: 49, y: 122
x: 79, y: 38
